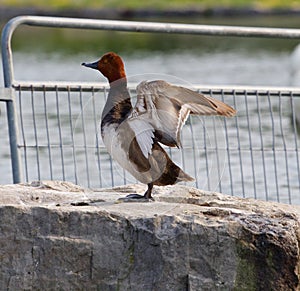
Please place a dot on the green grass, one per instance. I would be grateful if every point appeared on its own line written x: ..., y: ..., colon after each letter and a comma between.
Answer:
x: 153, y: 4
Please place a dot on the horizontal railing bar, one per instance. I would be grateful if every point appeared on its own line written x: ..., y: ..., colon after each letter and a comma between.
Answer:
x: 242, y: 149
x: 226, y: 90
x: 59, y: 86
x: 59, y: 146
x: 137, y: 26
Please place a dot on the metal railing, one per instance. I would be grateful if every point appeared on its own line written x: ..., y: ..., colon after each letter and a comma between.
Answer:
x: 54, y: 136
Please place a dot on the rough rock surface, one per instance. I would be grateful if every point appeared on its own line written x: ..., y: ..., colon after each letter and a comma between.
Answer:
x: 58, y: 236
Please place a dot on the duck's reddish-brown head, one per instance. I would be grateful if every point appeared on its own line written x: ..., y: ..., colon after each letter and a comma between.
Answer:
x: 110, y: 65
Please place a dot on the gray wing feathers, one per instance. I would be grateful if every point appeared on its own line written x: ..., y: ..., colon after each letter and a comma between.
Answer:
x: 163, y: 109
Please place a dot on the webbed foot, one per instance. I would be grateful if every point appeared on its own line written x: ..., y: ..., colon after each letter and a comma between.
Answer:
x: 135, y: 198
x: 139, y: 198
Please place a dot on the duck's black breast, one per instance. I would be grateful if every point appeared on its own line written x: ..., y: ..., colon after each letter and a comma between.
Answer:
x: 117, y: 108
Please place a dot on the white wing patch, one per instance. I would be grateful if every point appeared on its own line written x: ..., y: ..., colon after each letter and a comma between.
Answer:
x: 183, y: 116
x: 144, y: 134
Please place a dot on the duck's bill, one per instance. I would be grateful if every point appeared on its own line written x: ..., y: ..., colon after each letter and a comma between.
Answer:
x: 91, y: 65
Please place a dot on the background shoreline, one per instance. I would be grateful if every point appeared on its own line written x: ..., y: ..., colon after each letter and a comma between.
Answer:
x: 8, y: 12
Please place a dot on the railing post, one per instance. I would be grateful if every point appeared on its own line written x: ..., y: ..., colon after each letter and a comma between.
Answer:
x: 13, y: 141
x: 11, y: 103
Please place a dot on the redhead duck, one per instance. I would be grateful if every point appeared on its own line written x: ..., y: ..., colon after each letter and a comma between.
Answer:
x: 133, y: 135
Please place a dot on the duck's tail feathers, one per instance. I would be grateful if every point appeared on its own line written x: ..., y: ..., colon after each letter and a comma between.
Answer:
x: 184, y: 177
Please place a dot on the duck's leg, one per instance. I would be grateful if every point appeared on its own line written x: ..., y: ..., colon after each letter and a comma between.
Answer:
x: 149, y: 191
x: 139, y: 198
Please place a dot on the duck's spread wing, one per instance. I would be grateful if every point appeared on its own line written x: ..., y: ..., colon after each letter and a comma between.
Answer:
x: 196, y: 102
x: 166, y: 107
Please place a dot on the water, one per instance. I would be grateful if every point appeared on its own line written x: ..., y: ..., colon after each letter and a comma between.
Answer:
x: 213, y: 64
x: 237, y: 67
